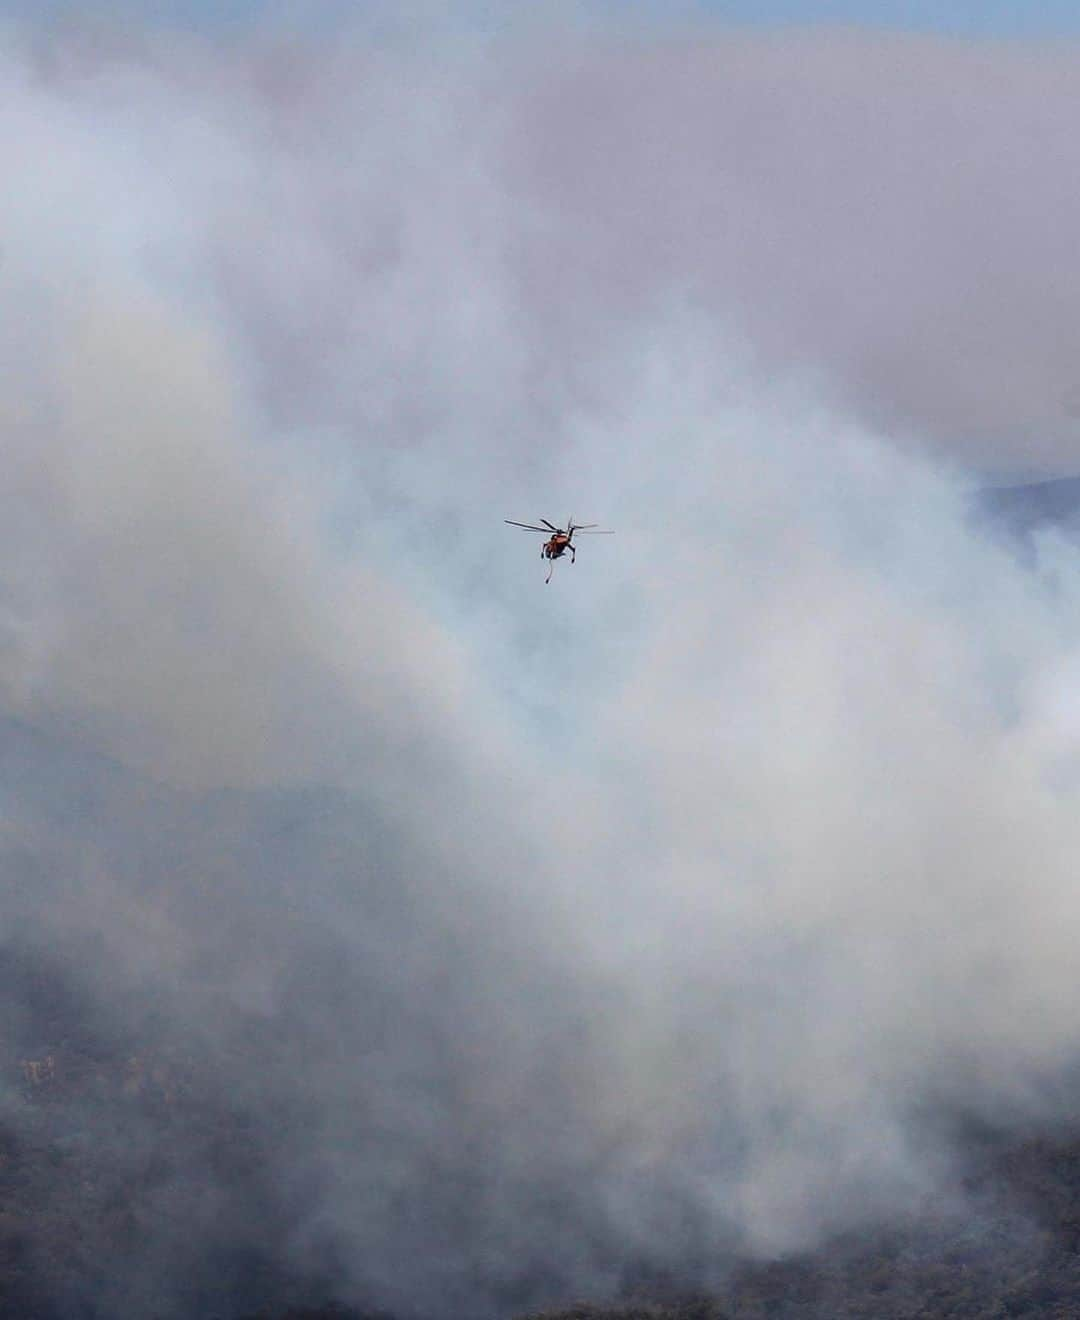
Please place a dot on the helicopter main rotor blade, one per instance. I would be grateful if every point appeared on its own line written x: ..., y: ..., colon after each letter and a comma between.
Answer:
x: 550, y: 526
x: 528, y: 526
x: 596, y: 531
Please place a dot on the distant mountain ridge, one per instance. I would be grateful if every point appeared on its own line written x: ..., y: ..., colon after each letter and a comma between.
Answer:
x: 1026, y: 508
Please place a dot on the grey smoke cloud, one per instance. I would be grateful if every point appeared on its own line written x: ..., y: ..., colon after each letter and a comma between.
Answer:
x: 545, y: 929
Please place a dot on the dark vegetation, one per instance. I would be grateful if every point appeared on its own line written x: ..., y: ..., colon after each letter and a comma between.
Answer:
x: 1012, y: 1250
x: 1020, y: 1261
x: 128, y: 1187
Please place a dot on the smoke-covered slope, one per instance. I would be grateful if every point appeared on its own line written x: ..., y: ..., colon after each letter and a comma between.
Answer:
x: 1014, y: 1253
x: 200, y: 1060
x: 164, y: 1141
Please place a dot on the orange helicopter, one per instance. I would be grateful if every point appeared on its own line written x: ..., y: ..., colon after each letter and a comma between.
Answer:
x: 560, y: 540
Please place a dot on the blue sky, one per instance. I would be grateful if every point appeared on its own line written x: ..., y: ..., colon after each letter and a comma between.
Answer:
x: 988, y: 17
x: 966, y: 16
x: 992, y: 18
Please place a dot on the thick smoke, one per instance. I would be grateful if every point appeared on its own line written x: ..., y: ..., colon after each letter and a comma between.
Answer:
x: 526, y: 934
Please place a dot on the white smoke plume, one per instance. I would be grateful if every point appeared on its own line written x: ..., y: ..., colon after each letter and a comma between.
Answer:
x: 641, y: 916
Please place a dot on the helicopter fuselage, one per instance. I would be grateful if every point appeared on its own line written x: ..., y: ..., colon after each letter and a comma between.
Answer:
x: 558, y: 544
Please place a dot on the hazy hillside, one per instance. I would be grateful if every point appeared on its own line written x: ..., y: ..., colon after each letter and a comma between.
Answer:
x: 116, y: 1150
x: 1026, y: 508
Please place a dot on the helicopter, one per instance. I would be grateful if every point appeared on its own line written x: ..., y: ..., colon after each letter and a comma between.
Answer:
x: 560, y: 540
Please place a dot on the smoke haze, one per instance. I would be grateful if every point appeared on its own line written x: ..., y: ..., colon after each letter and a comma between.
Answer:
x: 527, y: 933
